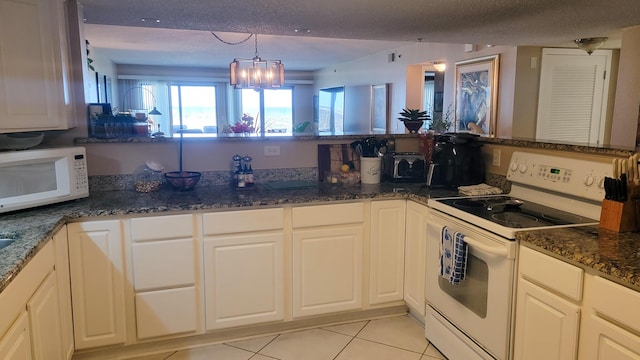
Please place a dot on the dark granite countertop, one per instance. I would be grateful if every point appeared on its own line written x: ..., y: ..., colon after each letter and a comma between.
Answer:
x: 615, y: 256
x: 33, y: 228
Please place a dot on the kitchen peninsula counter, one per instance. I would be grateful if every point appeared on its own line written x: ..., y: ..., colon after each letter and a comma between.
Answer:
x: 33, y: 228
x: 615, y: 256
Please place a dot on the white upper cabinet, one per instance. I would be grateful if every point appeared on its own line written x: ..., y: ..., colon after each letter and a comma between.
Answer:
x: 34, y: 86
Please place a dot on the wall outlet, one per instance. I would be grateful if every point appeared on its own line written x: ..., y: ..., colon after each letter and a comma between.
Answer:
x: 496, y: 157
x: 272, y: 150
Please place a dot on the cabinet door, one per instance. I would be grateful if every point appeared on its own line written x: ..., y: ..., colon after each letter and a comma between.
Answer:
x: 546, y: 325
x: 243, y: 277
x: 97, y: 283
x: 166, y: 312
x: 45, y: 323
x: 611, y: 323
x: 327, y: 270
x: 603, y: 340
x: 60, y: 244
x: 415, y: 257
x: 386, y: 269
x: 33, y: 95
x: 16, y: 343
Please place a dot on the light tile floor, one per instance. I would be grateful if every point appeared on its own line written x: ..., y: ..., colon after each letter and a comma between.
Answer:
x: 397, y: 338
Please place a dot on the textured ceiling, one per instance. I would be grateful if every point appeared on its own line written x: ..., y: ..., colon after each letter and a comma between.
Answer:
x: 382, y: 22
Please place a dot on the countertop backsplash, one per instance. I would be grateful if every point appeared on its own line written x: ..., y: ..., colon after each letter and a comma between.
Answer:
x: 209, y: 178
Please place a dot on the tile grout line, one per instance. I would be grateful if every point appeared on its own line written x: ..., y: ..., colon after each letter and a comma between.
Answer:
x: 350, y: 341
x: 262, y: 348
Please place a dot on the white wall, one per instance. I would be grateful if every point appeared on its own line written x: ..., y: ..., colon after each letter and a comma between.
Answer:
x: 627, y: 102
x: 376, y: 69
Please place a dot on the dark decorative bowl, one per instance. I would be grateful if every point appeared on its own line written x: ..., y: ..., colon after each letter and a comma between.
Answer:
x: 413, y: 126
x: 182, y: 180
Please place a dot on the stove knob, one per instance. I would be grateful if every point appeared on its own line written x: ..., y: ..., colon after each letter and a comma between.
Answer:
x: 589, y: 180
x: 523, y: 168
x: 514, y: 166
x: 601, y: 183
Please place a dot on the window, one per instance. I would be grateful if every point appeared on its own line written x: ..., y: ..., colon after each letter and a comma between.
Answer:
x: 275, y: 104
x: 331, y: 110
x: 193, y: 109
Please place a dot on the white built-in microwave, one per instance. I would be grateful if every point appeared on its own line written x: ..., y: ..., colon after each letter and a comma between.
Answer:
x: 30, y: 178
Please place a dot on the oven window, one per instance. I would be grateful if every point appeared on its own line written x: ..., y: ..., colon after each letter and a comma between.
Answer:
x: 27, y: 179
x: 472, y: 291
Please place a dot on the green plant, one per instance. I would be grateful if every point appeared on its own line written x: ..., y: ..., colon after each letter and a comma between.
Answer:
x: 89, y: 60
x: 413, y: 115
x: 442, y: 122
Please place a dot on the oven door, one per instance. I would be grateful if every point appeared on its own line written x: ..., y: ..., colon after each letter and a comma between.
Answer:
x: 480, y: 305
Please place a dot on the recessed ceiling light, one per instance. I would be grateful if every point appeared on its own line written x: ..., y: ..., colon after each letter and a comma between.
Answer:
x: 150, y: 20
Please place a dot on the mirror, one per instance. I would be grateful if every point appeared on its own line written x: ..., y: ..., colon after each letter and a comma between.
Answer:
x: 330, y: 112
x: 378, y: 68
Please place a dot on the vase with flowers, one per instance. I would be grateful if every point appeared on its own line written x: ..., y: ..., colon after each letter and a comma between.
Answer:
x: 244, y: 126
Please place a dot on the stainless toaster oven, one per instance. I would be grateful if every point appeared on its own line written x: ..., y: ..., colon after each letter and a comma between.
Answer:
x: 404, y: 167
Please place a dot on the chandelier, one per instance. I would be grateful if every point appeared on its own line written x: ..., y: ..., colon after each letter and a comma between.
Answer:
x: 256, y: 73
x: 590, y: 44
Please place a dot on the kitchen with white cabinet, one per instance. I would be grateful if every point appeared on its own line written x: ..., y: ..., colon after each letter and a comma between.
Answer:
x: 128, y: 273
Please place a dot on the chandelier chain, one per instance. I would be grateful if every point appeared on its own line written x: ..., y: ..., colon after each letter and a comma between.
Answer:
x: 233, y: 43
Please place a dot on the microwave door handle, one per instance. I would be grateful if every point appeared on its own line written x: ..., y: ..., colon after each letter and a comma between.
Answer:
x: 501, y: 251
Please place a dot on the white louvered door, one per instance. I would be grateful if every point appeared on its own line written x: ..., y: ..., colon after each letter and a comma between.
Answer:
x: 573, y: 93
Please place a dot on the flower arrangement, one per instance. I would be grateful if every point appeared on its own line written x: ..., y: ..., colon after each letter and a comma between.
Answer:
x: 244, y: 126
x: 442, y: 122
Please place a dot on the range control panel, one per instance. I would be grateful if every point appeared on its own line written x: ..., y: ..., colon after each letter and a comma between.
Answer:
x: 559, y: 174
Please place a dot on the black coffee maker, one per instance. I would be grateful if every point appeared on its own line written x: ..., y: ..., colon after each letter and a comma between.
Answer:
x: 456, y: 161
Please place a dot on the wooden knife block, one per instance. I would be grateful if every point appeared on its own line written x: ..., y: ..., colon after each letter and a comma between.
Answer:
x: 621, y: 216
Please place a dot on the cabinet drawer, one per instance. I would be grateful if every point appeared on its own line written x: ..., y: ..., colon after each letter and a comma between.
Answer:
x: 161, y: 227
x: 166, y: 312
x: 616, y: 302
x: 154, y: 264
x: 321, y: 215
x: 553, y: 274
x: 243, y: 221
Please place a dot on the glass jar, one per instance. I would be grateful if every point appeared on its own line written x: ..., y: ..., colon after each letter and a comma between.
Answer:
x: 148, y: 178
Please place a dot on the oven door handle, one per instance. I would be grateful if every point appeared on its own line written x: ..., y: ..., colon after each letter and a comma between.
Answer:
x: 499, y: 251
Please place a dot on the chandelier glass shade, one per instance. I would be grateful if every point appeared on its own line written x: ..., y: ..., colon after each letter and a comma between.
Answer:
x: 256, y: 73
x: 590, y: 44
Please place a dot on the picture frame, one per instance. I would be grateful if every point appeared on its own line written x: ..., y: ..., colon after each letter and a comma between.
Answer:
x: 379, y: 109
x: 476, y: 90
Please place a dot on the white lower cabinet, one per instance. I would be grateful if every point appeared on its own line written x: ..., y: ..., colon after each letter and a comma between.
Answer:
x: 165, y: 265
x: 611, y: 322
x: 244, y: 279
x: 243, y: 271
x: 16, y: 342
x: 386, y: 251
x: 31, y: 316
x: 547, y: 325
x: 547, y: 308
x: 166, y: 312
x: 61, y: 246
x: 327, y: 258
x: 415, y: 253
x: 97, y: 283
x: 45, y: 322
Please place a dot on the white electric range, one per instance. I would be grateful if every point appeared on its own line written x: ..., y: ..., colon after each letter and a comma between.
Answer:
x: 472, y: 319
